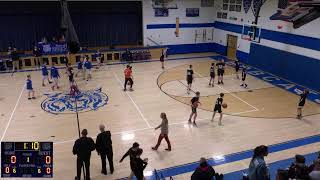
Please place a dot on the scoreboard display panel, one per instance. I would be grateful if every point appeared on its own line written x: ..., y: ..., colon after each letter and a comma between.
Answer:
x: 27, y: 159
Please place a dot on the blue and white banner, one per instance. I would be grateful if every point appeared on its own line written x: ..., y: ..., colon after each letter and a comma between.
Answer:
x: 53, y: 48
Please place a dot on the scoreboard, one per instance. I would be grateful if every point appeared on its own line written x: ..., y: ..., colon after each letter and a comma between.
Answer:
x: 27, y: 159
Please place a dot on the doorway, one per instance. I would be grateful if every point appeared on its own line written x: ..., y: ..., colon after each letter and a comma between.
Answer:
x: 232, y: 42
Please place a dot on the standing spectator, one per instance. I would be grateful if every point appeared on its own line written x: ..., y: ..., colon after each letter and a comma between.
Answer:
x: 302, y: 102
x: 258, y: 169
x: 15, y: 59
x: 54, y: 76
x: 37, y: 56
x: 132, y: 153
x: 237, y: 67
x: 104, y: 149
x: 82, y: 148
x: 139, y: 165
x: 164, y: 132
x: 204, y: 171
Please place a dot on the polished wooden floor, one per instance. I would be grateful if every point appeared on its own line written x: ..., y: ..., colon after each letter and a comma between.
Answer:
x: 264, y: 116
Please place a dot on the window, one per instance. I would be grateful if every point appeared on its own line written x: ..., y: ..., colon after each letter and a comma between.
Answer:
x: 207, y: 3
x: 232, y: 5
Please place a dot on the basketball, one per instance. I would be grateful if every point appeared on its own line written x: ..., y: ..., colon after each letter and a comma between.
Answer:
x: 224, y: 105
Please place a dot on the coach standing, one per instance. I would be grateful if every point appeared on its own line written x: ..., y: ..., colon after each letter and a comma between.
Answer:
x: 104, y: 149
x: 82, y: 148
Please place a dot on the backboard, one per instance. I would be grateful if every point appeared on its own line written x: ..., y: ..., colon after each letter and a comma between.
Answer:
x: 251, y: 32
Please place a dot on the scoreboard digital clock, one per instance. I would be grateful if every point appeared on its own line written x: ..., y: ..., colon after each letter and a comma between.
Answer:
x: 26, y: 159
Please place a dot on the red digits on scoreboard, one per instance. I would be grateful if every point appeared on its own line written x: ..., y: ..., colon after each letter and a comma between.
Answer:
x: 7, y: 170
x: 48, y: 170
x: 13, y: 159
x: 48, y: 159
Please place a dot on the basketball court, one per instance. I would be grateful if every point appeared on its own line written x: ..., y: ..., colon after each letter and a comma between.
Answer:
x: 281, y: 59
x: 262, y: 113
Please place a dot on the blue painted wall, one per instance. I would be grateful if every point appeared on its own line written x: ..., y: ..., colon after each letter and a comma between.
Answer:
x: 296, y: 68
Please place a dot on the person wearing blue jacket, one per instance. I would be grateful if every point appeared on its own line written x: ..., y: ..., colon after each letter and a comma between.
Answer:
x: 54, y: 76
x: 45, y: 73
x: 88, y: 67
x: 80, y: 68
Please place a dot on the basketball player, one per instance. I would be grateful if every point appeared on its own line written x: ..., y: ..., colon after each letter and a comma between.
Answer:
x: 45, y: 74
x: 212, y: 75
x: 162, y: 60
x: 189, y: 78
x: 70, y: 74
x: 194, y: 105
x: 244, y: 76
x: 237, y: 67
x: 218, y: 108
x: 80, y: 68
x: 54, y: 76
x: 98, y: 58
x: 30, y: 88
x: 88, y: 67
x: 302, y: 102
x: 220, y: 66
x: 128, y: 77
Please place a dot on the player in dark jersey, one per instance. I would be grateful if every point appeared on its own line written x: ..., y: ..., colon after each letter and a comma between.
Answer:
x: 303, y: 97
x: 212, y: 75
x: 244, y: 76
x: 162, y: 60
x: 218, y: 108
x: 189, y: 78
x: 194, y: 105
x: 220, y: 66
x: 237, y: 67
x: 70, y: 74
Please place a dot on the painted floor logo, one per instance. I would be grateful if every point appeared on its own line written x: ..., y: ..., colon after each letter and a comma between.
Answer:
x: 64, y: 103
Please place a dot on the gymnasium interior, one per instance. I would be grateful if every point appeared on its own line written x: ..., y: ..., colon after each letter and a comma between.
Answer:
x: 277, y: 42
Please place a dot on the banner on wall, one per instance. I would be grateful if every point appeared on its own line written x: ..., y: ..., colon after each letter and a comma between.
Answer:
x: 289, y: 10
x: 52, y: 48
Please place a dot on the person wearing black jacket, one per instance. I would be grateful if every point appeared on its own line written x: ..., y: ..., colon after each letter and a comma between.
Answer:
x: 82, y: 148
x: 104, y: 149
x: 205, y: 172
x: 139, y: 165
x: 132, y: 152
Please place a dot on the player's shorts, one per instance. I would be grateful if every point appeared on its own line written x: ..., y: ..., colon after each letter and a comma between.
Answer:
x: 212, y: 75
x: 300, y: 105
x: 71, y: 78
x: 193, y: 109
x: 88, y: 71
x: 30, y: 90
x: 220, y: 72
x: 189, y: 80
x: 44, y: 77
x: 217, y: 108
x: 244, y: 78
x: 237, y: 69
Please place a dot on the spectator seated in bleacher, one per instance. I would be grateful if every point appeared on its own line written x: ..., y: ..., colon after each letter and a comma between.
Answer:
x: 315, y: 170
x: 205, y: 172
x: 298, y: 170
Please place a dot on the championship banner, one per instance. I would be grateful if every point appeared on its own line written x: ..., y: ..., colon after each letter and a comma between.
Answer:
x: 247, y: 5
